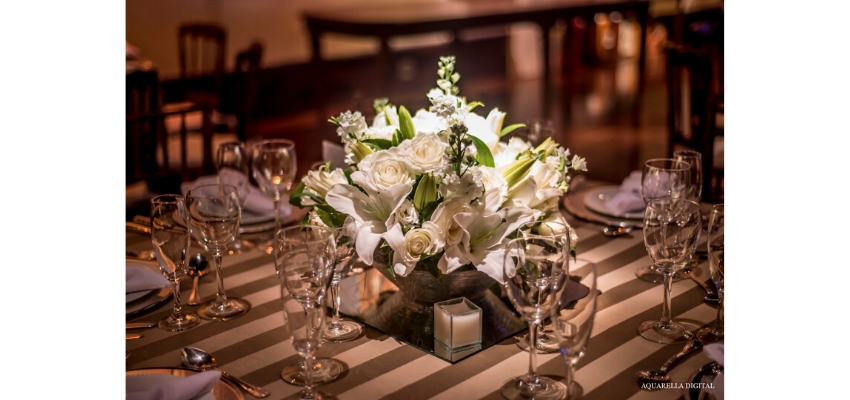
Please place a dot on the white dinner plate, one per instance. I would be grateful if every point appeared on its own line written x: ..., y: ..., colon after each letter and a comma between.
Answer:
x: 148, y: 299
x: 596, y: 201
x: 148, y: 378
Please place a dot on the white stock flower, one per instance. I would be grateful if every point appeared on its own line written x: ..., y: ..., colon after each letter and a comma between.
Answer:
x: 410, y: 248
x: 579, y: 163
x: 468, y: 186
x: 406, y: 214
x: 384, y: 169
x: 424, y: 153
x: 351, y: 124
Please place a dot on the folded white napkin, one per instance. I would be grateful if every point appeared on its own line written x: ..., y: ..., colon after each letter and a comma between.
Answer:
x: 187, y: 388
x: 257, y: 203
x: 140, y: 278
x: 714, y: 351
x: 628, y: 198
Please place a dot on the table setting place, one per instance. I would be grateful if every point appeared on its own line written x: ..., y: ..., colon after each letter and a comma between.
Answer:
x: 444, y: 258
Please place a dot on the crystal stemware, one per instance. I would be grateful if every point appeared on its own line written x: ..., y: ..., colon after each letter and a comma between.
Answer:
x: 663, y: 178
x: 340, y: 330
x: 170, y: 239
x: 671, y: 232
x: 715, y: 261
x: 694, y: 159
x: 233, y: 165
x: 213, y: 215
x: 304, y: 261
x: 274, y: 166
x: 535, y: 268
x: 573, y: 323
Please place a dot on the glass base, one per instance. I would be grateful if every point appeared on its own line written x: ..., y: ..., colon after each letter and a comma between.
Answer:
x: 232, y: 308
x: 673, y: 332
x: 651, y: 274
x: 240, y: 247
x: 324, y: 370
x: 544, y: 389
x: 172, y: 324
x: 343, y: 331
x: 576, y: 391
x: 708, y: 335
x: 546, y: 343
x: 314, y: 395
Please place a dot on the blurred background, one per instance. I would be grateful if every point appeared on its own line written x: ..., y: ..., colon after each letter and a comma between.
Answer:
x: 202, y: 72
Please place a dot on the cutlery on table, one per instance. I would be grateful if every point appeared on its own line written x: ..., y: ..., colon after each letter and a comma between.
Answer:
x: 660, y: 375
x: 199, y: 360
x: 710, y: 294
x: 134, y: 336
x: 614, y: 231
x: 140, y: 325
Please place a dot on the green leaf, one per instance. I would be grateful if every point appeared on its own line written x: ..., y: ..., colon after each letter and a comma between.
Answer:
x: 430, y: 264
x: 483, y: 156
x: 378, y: 144
x: 306, y: 219
x: 405, y: 123
x: 426, y: 212
x: 473, y: 105
x: 347, y: 174
x: 510, y: 128
x: 415, y: 186
x: 295, y: 195
x: 330, y: 216
x: 397, y: 138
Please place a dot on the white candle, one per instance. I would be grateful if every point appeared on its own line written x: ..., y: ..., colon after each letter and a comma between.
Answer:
x: 457, y: 323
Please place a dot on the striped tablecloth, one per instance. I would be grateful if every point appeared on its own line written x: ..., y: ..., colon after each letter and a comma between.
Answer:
x: 254, y: 347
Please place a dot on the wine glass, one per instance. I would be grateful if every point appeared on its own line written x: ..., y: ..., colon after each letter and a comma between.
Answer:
x: 535, y: 268
x: 694, y: 159
x: 304, y: 261
x: 573, y: 323
x: 274, y: 166
x: 232, y: 164
x: 662, y: 178
x: 213, y: 215
x: 671, y: 232
x: 715, y: 261
x: 339, y: 330
x: 170, y: 238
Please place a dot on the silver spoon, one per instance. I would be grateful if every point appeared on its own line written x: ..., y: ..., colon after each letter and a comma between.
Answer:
x: 614, y: 231
x: 199, y: 360
x: 660, y: 375
x: 197, y: 264
x: 710, y: 294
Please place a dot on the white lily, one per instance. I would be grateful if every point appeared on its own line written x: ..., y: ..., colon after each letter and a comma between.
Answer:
x: 483, y: 241
x: 373, y: 212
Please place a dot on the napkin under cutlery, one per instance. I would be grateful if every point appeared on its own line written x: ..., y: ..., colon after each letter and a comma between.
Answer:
x: 187, y: 388
x: 140, y: 278
x: 256, y: 202
x: 628, y: 198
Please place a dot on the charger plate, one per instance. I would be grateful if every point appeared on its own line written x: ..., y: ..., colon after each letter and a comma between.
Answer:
x: 146, y: 378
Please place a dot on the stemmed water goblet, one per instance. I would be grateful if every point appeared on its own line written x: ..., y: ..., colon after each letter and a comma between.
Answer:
x: 694, y: 160
x: 213, y: 215
x: 663, y: 178
x: 339, y: 330
x: 233, y: 165
x: 671, y: 232
x: 535, y: 268
x: 572, y: 324
x: 274, y: 166
x: 304, y: 258
x: 170, y: 239
x: 715, y: 261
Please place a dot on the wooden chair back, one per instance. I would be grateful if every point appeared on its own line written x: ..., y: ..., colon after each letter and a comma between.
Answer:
x: 247, y: 88
x: 143, y: 94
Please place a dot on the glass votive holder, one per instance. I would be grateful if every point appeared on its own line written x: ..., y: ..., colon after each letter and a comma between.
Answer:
x: 457, y: 323
x: 454, y: 354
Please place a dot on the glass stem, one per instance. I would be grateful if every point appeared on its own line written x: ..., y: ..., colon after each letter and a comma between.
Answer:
x: 177, y: 314
x: 718, y: 323
x: 220, y: 297
x: 668, y: 288
x: 568, y: 379
x: 276, y: 213
x: 335, y: 297
x: 532, y: 352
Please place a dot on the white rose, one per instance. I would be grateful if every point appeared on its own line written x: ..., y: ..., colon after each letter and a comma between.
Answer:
x: 424, y: 153
x: 406, y: 214
x: 443, y: 217
x: 418, y: 243
x: 384, y: 169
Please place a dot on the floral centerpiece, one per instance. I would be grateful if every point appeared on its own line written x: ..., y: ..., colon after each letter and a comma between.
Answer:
x: 437, y: 190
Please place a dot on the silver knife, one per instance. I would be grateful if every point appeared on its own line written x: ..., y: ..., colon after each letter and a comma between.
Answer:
x: 133, y: 336
x: 140, y: 325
